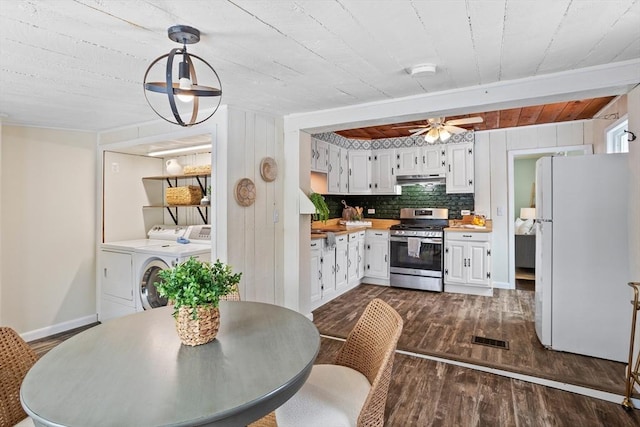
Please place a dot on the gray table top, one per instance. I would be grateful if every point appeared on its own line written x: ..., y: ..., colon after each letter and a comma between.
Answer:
x: 133, y: 371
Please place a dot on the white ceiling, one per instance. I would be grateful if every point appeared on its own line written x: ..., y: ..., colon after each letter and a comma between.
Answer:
x: 79, y: 64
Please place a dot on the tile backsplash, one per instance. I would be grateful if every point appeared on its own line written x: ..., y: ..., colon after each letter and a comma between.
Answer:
x: 413, y: 196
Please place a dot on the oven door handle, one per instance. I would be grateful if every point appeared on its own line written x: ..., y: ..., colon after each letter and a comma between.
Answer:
x: 433, y: 241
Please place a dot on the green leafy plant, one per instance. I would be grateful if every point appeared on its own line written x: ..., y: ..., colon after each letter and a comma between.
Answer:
x: 194, y: 283
x: 322, y: 210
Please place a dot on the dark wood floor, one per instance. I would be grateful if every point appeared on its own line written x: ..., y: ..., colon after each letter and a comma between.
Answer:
x: 442, y: 325
x: 427, y: 393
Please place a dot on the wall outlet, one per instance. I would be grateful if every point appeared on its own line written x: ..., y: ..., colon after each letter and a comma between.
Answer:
x: 465, y: 212
x: 499, y: 211
x: 371, y: 211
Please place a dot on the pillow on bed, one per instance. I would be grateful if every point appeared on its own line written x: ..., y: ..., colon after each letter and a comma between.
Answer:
x: 526, y: 227
x: 518, y: 224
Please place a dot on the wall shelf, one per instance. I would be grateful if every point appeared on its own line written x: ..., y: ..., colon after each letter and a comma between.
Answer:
x: 172, y: 181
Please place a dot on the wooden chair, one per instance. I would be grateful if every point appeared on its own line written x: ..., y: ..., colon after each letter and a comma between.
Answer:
x: 16, y: 358
x: 353, y: 391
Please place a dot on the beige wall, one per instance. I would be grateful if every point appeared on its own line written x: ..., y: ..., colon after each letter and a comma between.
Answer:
x: 47, y: 196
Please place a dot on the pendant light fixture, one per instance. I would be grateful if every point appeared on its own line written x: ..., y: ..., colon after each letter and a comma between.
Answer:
x: 180, y: 100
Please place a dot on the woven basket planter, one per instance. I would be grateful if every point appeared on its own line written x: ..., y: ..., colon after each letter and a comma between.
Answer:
x: 189, y: 195
x: 201, y: 330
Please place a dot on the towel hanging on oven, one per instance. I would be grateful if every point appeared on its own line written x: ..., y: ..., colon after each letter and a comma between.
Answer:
x: 413, y: 247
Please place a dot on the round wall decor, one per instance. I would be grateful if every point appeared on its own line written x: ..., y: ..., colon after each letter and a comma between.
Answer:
x: 245, y: 192
x: 268, y: 169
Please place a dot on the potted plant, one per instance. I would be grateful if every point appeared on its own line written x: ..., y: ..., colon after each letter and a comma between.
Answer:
x: 194, y: 288
x: 322, y: 210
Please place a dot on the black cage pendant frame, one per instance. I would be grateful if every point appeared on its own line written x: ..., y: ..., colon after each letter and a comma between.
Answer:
x: 171, y: 88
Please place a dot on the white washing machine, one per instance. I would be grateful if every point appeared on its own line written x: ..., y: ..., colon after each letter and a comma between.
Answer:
x: 117, y: 278
x: 150, y: 260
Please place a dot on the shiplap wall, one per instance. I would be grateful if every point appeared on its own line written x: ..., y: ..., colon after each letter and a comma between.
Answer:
x: 492, y: 179
x: 255, y: 238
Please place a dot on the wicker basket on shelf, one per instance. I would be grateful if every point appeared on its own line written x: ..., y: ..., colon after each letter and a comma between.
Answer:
x: 197, y: 170
x: 189, y: 195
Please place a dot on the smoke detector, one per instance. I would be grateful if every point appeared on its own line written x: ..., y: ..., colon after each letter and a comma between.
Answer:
x: 422, y: 70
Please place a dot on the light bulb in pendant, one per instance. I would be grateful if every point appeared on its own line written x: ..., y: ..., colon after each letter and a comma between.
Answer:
x: 185, y: 83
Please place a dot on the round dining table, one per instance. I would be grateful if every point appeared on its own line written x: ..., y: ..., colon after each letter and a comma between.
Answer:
x: 134, y: 371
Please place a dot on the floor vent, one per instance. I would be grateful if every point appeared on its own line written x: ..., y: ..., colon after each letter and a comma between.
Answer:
x: 490, y: 342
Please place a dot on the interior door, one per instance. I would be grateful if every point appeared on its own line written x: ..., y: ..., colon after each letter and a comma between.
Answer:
x: 544, y: 254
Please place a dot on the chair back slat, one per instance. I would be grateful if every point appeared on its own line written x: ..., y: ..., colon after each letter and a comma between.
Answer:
x: 16, y: 358
x: 370, y: 349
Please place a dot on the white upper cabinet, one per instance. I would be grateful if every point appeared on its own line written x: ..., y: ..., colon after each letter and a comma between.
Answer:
x: 338, y: 170
x: 334, y: 172
x: 359, y: 172
x: 319, y: 155
x: 460, y: 168
x: 434, y: 159
x: 383, y: 177
x: 407, y: 161
x: 375, y: 171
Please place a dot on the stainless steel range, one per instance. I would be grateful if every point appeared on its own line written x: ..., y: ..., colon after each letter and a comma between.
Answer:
x: 416, y: 249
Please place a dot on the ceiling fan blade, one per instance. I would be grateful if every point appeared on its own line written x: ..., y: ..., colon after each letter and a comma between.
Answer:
x: 409, y: 126
x: 415, y: 132
x: 454, y: 129
x: 467, y: 121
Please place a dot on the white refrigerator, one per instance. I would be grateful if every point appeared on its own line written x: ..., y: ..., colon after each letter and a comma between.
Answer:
x: 582, y: 300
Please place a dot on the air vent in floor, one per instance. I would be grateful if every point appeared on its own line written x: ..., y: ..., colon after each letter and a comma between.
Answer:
x: 490, y: 342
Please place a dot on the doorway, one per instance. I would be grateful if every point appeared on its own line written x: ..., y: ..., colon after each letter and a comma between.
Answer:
x: 515, y: 200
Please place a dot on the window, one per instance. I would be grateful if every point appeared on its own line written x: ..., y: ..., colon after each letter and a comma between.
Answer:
x: 617, y: 137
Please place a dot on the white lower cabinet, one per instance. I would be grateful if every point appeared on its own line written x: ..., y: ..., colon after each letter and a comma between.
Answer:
x: 335, y: 270
x: 323, y: 272
x: 316, y: 272
x: 467, y: 263
x: 376, y: 258
x: 342, y: 263
x: 355, y: 262
x: 361, y: 254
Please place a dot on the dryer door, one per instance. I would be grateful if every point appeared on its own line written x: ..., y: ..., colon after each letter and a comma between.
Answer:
x: 148, y: 292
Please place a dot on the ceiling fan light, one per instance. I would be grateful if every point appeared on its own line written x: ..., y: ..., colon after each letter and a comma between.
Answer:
x: 444, y: 135
x: 431, y: 136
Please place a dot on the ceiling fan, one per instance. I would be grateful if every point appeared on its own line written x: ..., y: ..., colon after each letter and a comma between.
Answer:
x: 437, y: 128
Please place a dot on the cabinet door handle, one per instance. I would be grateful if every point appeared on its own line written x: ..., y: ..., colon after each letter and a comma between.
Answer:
x: 319, y: 275
x: 385, y: 258
x: 464, y: 264
x: 423, y: 160
x: 105, y: 272
x: 449, y: 168
x: 416, y: 160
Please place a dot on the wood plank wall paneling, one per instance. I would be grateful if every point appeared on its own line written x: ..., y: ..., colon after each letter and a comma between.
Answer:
x: 251, y: 229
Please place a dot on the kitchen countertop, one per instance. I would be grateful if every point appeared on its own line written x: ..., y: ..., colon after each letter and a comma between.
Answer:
x: 457, y: 226
x: 320, y: 229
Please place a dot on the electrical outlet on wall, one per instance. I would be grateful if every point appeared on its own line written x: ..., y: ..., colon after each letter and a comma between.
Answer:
x: 465, y: 212
x: 371, y: 211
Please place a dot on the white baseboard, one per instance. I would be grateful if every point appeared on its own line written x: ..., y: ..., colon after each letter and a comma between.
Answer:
x: 59, y: 327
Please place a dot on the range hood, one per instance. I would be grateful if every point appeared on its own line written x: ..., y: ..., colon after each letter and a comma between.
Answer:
x: 433, y: 179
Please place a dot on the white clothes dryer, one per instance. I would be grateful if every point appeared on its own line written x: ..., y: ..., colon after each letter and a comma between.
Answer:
x: 116, y: 272
x: 150, y: 260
